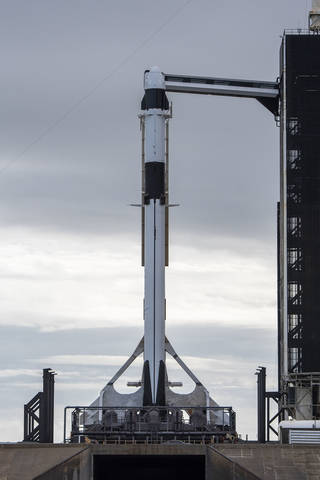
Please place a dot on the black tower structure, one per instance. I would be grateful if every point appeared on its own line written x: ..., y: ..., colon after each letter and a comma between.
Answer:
x: 299, y: 225
x: 39, y: 412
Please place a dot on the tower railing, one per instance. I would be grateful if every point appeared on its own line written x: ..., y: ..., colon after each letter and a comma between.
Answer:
x: 154, y: 423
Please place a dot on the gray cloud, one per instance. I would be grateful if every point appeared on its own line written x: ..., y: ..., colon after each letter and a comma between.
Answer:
x: 82, y: 175
x: 213, y: 339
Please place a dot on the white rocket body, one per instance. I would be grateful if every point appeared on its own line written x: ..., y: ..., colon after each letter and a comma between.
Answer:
x: 155, y: 115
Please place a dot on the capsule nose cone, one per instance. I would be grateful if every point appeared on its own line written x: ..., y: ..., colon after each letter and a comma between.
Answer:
x: 154, y: 79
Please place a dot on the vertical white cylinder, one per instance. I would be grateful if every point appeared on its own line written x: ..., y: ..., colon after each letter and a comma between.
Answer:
x: 155, y: 112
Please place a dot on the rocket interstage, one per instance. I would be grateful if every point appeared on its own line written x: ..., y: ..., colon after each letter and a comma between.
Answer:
x: 155, y: 111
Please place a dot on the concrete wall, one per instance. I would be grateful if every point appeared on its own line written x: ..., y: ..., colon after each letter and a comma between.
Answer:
x: 223, y: 462
x: 276, y: 462
x: 24, y: 461
x: 78, y: 467
x: 220, y: 467
x: 142, y: 449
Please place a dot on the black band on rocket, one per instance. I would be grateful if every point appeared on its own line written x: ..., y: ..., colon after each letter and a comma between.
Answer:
x: 155, y: 98
x: 154, y: 180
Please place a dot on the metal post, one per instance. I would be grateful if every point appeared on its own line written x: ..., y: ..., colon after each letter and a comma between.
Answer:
x: 261, y: 373
x: 65, y: 425
x: 47, y: 407
x: 279, y: 292
x: 26, y: 420
x: 268, y: 419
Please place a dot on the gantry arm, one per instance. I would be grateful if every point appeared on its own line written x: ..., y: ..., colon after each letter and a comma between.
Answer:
x: 267, y: 93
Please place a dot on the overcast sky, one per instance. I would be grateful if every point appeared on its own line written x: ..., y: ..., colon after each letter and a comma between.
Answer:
x: 71, y: 284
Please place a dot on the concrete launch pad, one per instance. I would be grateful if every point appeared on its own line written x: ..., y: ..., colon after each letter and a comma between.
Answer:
x: 248, y: 461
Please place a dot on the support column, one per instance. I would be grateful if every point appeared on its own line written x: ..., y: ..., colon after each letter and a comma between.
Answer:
x: 261, y: 373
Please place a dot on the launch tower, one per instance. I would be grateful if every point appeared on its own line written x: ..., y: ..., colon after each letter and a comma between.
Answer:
x: 299, y: 223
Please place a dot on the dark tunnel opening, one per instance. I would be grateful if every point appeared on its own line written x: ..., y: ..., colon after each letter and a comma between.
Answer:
x: 154, y: 467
